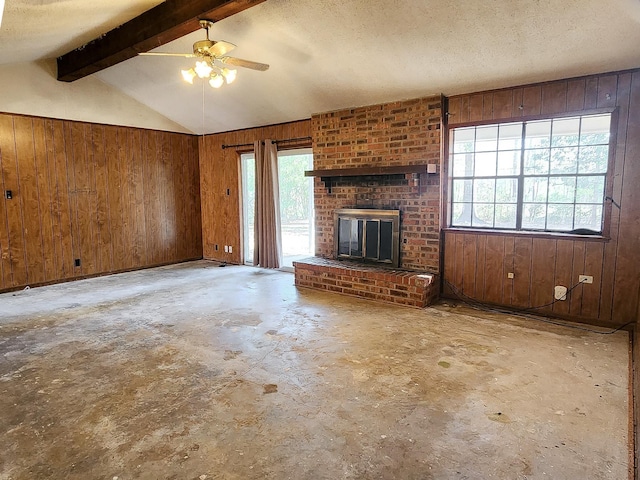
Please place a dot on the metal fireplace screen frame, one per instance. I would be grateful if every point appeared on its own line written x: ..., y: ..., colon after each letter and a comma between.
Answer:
x: 371, y: 235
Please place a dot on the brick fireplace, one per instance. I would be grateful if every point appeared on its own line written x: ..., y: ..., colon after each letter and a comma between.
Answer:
x: 376, y: 157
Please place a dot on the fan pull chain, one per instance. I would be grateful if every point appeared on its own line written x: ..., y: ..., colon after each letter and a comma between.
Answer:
x: 202, y: 108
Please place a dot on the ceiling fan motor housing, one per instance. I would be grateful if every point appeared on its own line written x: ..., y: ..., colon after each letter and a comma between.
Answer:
x: 202, y: 47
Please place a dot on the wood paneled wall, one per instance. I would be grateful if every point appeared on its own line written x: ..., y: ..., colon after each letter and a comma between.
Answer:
x: 220, y: 184
x: 117, y: 198
x: 477, y: 264
x: 634, y: 402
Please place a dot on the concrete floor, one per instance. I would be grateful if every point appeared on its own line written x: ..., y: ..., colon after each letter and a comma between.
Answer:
x: 199, y: 372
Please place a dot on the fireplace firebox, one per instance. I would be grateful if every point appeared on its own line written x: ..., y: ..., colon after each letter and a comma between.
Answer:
x: 368, y: 235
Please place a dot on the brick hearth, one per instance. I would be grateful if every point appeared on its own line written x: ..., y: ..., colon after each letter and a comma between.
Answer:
x: 401, y: 287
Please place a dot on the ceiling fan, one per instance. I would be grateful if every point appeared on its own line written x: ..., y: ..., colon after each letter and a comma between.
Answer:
x: 213, y: 62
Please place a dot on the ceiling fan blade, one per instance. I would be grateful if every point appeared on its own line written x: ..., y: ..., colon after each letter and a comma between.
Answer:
x: 238, y: 62
x: 221, y: 47
x: 162, y: 54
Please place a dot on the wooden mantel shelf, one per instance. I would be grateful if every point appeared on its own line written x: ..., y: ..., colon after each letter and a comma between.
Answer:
x: 328, y: 175
x: 366, y: 171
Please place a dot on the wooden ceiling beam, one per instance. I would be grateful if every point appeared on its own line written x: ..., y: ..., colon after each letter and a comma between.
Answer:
x: 162, y: 24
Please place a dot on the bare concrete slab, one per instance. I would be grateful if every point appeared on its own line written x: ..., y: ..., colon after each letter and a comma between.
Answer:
x: 199, y: 372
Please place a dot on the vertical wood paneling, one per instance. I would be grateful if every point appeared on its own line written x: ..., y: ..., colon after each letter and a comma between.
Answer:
x: 112, y: 138
x: 591, y: 292
x: 591, y: 93
x: 63, y: 203
x: 554, y: 98
x: 454, y: 109
x: 17, y: 234
x: 125, y: 234
x: 494, y: 266
x: 80, y: 191
x: 153, y: 219
x: 28, y: 198
x: 450, y: 258
x: 7, y: 237
x: 502, y: 104
x: 563, y: 271
x: 508, y: 265
x: 476, y: 108
x: 575, y: 297
x: 469, y: 265
x: 464, y: 109
x: 518, y: 107
x: 532, y: 100
x: 458, y: 274
x: 627, y: 277
x: 575, y: 95
x: 80, y: 195
x: 607, y: 91
x: 45, y: 199
x: 481, y: 256
x: 487, y: 105
x: 195, y: 209
x: 522, y: 270
x: 612, y: 298
x: 542, y: 264
x: 170, y: 198
x: 140, y: 245
x: 181, y: 213
x: 93, y: 266
x: 104, y: 248
x: 611, y: 248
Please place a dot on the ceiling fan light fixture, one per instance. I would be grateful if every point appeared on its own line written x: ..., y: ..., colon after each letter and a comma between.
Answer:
x: 216, y: 80
x: 229, y: 75
x: 188, y: 75
x: 203, y: 69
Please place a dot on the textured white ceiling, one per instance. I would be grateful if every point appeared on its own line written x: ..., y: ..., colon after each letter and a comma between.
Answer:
x: 333, y: 54
x: 39, y: 29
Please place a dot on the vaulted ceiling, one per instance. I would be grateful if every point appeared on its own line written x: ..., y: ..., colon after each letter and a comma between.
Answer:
x: 332, y: 54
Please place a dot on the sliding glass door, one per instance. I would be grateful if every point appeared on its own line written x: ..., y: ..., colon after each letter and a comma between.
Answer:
x: 296, y: 204
x: 248, y: 167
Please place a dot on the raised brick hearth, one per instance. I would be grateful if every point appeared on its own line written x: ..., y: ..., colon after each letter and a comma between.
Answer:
x: 401, y: 287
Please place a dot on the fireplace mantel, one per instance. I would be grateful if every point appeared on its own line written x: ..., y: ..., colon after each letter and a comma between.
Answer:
x: 328, y: 175
x: 366, y: 171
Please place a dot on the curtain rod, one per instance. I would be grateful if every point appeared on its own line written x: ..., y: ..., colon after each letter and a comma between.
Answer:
x: 287, y: 140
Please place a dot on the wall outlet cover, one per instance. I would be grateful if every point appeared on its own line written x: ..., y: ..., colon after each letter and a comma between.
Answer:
x: 560, y: 292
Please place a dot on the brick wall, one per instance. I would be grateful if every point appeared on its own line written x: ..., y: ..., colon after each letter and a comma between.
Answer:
x: 398, y: 133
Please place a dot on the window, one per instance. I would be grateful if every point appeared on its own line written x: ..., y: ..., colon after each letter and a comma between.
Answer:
x: 540, y: 175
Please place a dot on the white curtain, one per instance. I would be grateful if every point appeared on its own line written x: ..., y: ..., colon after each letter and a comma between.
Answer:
x: 267, y: 250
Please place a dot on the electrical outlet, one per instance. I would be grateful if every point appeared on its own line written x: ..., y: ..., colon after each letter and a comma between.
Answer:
x: 226, y: 249
x: 230, y: 249
x: 510, y: 275
x: 585, y: 278
x: 560, y: 292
